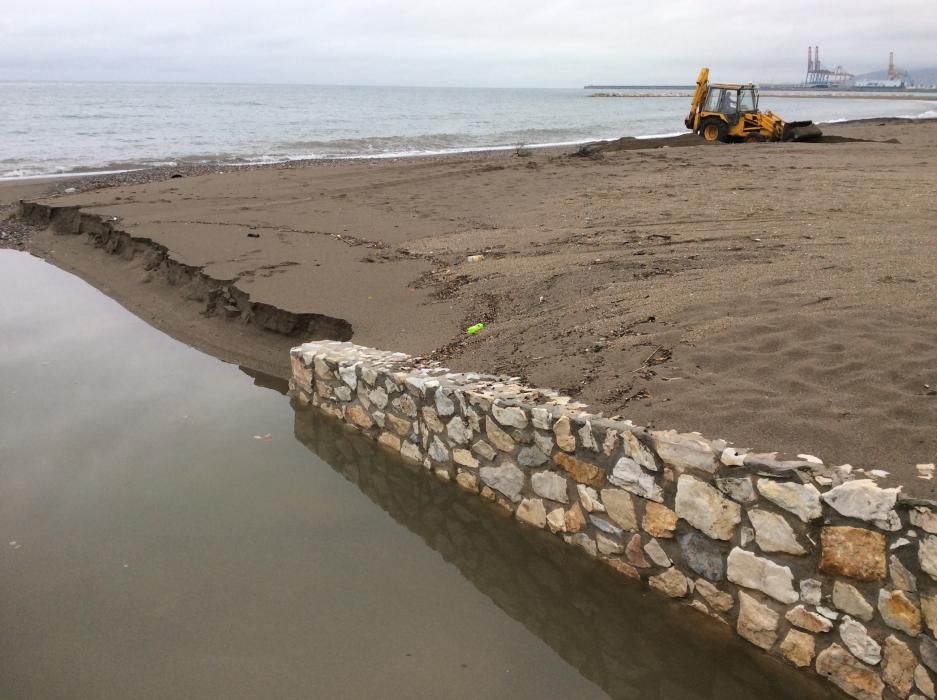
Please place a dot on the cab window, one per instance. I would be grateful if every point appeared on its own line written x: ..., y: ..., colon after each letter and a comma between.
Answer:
x: 747, y: 101
x: 713, y: 99
x: 729, y: 102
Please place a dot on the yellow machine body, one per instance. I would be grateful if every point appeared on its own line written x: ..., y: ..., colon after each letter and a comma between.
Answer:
x: 729, y: 112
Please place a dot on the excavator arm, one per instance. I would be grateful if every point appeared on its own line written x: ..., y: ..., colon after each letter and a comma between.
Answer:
x: 702, y: 87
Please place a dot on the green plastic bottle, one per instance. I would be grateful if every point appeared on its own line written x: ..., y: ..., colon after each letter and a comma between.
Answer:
x: 472, y: 330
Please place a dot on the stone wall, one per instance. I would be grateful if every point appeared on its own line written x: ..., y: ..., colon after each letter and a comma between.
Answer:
x: 580, y: 609
x: 830, y: 572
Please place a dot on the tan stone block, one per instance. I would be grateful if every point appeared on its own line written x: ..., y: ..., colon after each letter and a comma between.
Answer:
x: 548, y: 484
x: 465, y: 458
x: 565, y: 439
x: 619, y: 505
x: 401, y: 426
x: 484, y: 450
x: 799, y: 648
x: 581, y: 471
x: 706, y: 509
x: 718, y: 600
x: 671, y: 583
x: 390, y: 441
x: 624, y: 569
x: 801, y: 499
x: 405, y: 404
x: 847, y: 598
x: 757, y: 622
x: 684, y: 451
x: 927, y: 555
x: 851, y: 675
x: 635, y: 552
x: 923, y: 681
x: 810, y: 621
x: 589, y: 499
x: 556, y: 520
x: 532, y: 512
x: 924, y: 518
x: 774, y: 533
x: 899, y: 612
x: 431, y: 419
x: 575, y: 519
x: 608, y: 544
x: 901, y: 578
x: 467, y: 481
x: 854, y: 552
x: 359, y: 417
x: 301, y: 374
x: 497, y: 437
x: 411, y: 452
x: 929, y: 606
x: 898, y: 666
x: 637, y: 451
x: 659, y: 520
x: 509, y: 416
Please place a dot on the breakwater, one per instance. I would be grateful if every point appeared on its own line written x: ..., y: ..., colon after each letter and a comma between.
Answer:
x: 828, y: 571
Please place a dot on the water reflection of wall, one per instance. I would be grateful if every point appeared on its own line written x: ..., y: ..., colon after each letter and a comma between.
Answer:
x: 631, y: 647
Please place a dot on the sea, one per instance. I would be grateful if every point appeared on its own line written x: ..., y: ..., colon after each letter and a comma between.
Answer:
x: 50, y: 128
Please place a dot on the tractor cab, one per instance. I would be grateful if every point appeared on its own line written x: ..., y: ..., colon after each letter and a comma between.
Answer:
x: 731, y: 101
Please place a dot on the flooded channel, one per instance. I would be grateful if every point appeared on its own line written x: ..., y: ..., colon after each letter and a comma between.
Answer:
x: 171, y: 528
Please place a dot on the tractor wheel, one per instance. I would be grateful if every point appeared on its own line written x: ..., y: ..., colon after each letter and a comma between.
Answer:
x: 714, y: 130
x: 755, y: 138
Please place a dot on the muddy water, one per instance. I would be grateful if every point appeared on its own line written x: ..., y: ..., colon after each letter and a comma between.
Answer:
x: 151, y: 546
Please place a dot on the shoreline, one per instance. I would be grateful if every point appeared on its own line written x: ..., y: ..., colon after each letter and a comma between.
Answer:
x: 624, y: 253
x: 189, y: 167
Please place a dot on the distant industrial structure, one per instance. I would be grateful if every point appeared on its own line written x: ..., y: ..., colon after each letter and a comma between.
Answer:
x: 819, y: 76
x: 895, y: 80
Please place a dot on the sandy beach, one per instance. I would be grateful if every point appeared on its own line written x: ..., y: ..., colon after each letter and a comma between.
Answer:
x: 780, y: 296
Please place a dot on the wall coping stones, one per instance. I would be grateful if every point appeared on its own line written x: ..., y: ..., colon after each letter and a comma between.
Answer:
x: 775, y: 548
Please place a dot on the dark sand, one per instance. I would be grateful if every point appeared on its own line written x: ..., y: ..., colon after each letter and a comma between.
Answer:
x: 781, y: 296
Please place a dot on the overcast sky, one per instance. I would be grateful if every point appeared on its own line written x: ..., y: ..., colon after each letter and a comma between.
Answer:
x: 537, y: 43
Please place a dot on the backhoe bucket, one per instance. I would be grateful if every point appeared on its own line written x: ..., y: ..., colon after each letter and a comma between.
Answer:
x: 801, y: 131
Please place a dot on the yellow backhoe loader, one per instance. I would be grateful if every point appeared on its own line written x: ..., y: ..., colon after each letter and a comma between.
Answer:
x: 728, y: 112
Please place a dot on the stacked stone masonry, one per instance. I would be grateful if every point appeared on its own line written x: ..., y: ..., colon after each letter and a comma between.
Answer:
x: 828, y: 571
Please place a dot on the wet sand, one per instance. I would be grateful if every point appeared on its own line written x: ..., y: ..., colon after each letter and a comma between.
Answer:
x: 780, y: 296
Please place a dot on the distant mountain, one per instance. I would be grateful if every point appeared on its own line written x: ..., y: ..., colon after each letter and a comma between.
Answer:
x: 919, y: 76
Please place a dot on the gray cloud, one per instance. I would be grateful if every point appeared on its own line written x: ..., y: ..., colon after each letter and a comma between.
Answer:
x: 460, y: 42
